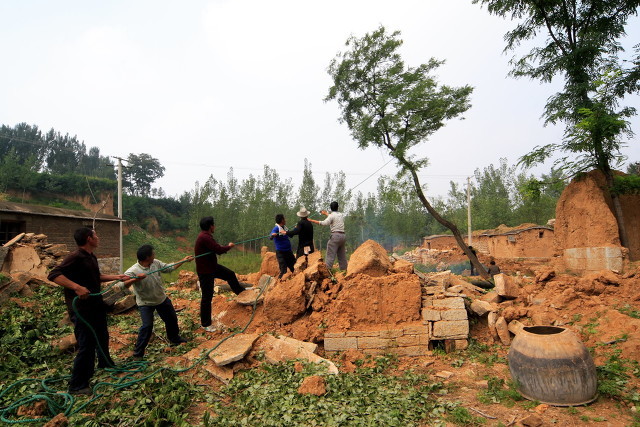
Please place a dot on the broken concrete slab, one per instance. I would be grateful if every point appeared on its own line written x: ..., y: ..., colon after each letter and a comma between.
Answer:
x: 233, y: 349
x: 309, y: 346
x: 250, y: 297
x: 222, y: 373
x: 506, y: 287
x: 277, y: 351
x: 26, y: 259
x: 480, y: 307
x: 14, y: 240
x: 503, y: 331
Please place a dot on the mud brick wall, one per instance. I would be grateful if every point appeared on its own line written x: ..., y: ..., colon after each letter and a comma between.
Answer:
x: 405, y: 341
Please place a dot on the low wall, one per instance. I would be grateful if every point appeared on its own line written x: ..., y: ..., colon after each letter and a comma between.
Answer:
x: 582, y: 260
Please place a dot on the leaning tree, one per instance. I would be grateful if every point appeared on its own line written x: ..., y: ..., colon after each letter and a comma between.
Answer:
x: 388, y: 105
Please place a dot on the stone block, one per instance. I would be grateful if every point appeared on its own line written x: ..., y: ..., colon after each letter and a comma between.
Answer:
x: 391, y: 333
x: 375, y: 342
x: 408, y: 340
x: 362, y: 333
x: 450, y: 328
x: 423, y: 339
x: 480, y: 307
x: 505, y: 286
x: 457, y: 314
x: 503, y: 331
x: 416, y: 329
x: 334, y: 335
x: 415, y: 350
x: 448, y: 303
x: 455, y: 345
x: 431, y: 315
x: 339, y: 344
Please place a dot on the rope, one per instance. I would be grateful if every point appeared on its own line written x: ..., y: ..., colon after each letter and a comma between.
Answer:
x: 62, y: 402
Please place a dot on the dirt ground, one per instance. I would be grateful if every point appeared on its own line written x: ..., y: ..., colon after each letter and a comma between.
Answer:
x: 592, y: 306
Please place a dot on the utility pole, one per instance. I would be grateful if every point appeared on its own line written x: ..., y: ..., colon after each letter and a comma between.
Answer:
x: 469, y: 209
x: 120, y: 210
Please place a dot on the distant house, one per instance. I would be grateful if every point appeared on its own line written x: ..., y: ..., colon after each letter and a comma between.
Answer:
x: 59, y: 224
x: 530, y: 242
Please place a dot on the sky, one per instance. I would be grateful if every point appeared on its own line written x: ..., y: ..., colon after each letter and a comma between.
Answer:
x: 205, y: 86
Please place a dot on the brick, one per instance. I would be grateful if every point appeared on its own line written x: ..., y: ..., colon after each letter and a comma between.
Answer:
x: 450, y: 303
x: 391, y: 333
x: 415, y: 330
x: 450, y: 328
x: 456, y: 314
x: 431, y: 315
x: 408, y: 340
x: 423, y: 339
x: 334, y: 335
x: 363, y: 333
x: 375, y: 342
x: 455, y: 345
x: 336, y: 344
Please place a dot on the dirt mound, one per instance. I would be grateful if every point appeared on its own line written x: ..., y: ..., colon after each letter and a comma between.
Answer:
x: 371, y: 259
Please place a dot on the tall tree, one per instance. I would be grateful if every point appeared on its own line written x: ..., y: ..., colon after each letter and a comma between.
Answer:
x: 141, y: 172
x: 388, y: 105
x: 582, y: 46
x: 308, y: 192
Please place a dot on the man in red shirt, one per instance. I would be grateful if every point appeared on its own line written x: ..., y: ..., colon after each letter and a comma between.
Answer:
x: 208, y: 269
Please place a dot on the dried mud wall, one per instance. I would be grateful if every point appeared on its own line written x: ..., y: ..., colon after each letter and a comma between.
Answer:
x: 586, y: 231
x: 535, y: 243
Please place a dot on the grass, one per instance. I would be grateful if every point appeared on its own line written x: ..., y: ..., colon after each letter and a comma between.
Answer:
x: 497, y: 393
x: 168, y: 250
x: 629, y: 311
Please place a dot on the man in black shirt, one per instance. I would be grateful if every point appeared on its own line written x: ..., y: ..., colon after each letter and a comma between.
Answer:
x: 79, y: 274
x: 304, y: 231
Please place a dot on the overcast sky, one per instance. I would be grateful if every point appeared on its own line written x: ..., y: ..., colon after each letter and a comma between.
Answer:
x: 207, y: 85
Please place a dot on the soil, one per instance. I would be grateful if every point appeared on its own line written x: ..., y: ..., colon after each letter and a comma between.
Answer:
x: 588, y: 305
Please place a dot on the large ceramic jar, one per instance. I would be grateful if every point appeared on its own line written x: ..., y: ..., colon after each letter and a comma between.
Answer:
x: 551, y: 365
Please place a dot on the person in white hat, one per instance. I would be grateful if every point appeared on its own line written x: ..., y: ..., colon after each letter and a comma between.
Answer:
x: 304, y: 231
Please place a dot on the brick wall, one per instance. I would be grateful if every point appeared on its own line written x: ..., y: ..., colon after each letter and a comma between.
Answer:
x: 61, y: 229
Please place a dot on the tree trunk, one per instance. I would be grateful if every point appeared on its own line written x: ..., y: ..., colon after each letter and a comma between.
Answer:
x: 617, y: 209
x: 456, y: 233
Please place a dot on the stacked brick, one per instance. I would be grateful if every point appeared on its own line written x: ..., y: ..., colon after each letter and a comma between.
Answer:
x: 444, y: 313
x: 410, y: 340
x: 444, y: 318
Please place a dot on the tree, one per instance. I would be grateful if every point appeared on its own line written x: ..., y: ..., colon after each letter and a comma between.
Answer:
x: 582, y: 46
x: 492, y: 203
x: 387, y: 105
x: 308, y: 192
x: 141, y: 171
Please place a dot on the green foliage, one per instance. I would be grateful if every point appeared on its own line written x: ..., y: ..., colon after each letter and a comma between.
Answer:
x: 497, y: 393
x: 613, y: 376
x: 26, y: 333
x: 268, y: 396
x: 626, y: 184
x: 161, y: 400
x: 582, y: 46
x: 462, y: 417
x: 140, y: 172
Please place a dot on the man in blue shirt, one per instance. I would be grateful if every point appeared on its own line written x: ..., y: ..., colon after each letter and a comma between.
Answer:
x: 284, y: 254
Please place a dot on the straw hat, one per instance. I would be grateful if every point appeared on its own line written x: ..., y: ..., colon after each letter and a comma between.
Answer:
x: 303, y: 212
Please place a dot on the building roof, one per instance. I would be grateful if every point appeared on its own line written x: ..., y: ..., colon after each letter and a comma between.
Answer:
x: 25, y: 208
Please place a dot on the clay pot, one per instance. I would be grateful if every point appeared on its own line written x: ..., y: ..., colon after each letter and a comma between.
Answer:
x: 551, y: 365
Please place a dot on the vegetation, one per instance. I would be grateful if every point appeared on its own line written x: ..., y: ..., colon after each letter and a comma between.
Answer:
x: 582, y: 46
x: 389, y: 106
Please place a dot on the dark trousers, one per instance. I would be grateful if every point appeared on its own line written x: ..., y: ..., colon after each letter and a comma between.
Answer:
x: 206, y: 287
x: 84, y: 363
x: 168, y: 315
x: 285, y: 260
